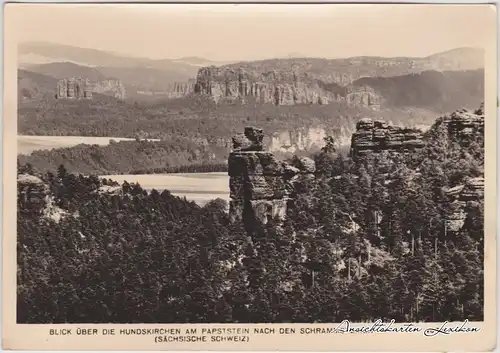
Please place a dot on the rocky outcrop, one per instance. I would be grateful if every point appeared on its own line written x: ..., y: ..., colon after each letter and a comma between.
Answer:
x: 464, y: 124
x: 473, y: 190
x: 80, y: 88
x: 291, y: 140
x: 182, y: 89
x: 34, y: 195
x: 346, y: 71
x: 459, y: 198
x: 277, y: 87
x: 260, y: 185
x: 373, y: 136
x: 73, y: 88
x: 28, y: 182
x: 322, y: 81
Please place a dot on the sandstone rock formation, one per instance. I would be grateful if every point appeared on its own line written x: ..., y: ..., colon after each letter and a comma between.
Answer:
x: 31, y: 182
x: 74, y: 88
x: 276, y: 87
x: 79, y: 88
x: 473, y: 190
x: 460, y: 197
x: 260, y: 185
x: 376, y: 136
x: 321, y: 81
x: 181, y: 89
x: 347, y: 70
x: 464, y: 124
x: 306, y: 138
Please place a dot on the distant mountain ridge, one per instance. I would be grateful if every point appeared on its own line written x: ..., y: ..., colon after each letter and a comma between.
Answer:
x: 348, y: 70
x: 94, y: 57
x: 434, y: 90
x: 437, y: 91
x: 325, y: 79
x: 465, y: 58
x: 61, y: 70
x: 320, y: 81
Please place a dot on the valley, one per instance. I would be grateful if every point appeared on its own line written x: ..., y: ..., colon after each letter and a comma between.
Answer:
x: 185, y: 123
x: 239, y: 164
x: 344, y: 225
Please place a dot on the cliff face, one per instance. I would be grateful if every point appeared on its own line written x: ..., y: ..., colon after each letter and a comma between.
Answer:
x: 377, y: 136
x: 345, y: 71
x: 359, y: 81
x: 464, y: 124
x: 277, y: 87
x: 73, y: 88
x: 306, y: 139
x: 78, y: 88
x: 260, y: 185
x: 183, y: 88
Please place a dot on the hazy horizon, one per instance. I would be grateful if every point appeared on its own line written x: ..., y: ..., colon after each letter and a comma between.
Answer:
x: 291, y: 55
x: 228, y: 32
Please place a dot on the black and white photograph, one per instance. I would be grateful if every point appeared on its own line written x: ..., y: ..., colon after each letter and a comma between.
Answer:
x: 244, y: 164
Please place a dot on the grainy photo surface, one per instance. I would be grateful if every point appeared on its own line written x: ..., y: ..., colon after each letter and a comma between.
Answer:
x: 250, y: 164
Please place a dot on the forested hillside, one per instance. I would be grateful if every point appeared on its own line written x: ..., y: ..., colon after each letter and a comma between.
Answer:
x: 31, y: 85
x: 364, y: 240
x: 194, y: 130
x: 190, y: 117
x: 438, y: 91
x: 171, y: 155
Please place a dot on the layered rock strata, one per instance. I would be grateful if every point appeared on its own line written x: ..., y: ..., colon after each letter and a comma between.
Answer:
x: 81, y: 88
x: 377, y: 136
x: 260, y: 185
x: 276, y: 87
x: 461, y: 196
x: 464, y: 124
x: 364, y: 97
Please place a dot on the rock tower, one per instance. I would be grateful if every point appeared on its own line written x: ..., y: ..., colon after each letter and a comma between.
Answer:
x: 260, y: 185
x: 74, y: 88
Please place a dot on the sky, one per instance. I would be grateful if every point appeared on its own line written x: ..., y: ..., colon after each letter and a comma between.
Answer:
x: 250, y: 32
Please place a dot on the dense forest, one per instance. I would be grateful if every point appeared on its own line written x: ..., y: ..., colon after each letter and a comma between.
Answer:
x: 195, y: 132
x: 366, y: 239
x: 439, y: 91
x: 193, y: 117
x: 172, y: 155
